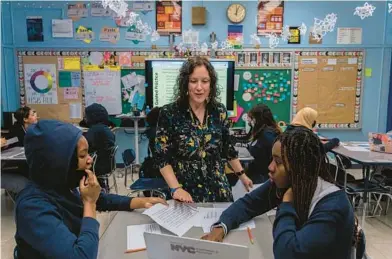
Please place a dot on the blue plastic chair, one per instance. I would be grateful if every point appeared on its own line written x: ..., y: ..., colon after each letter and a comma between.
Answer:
x: 152, y: 185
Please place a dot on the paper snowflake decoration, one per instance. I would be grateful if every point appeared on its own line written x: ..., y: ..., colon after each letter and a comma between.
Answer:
x: 214, y: 45
x: 389, y: 7
x: 364, y: 11
x: 285, y: 34
x: 322, y: 27
x: 155, y: 36
x: 204, y: 48
x: 254, y: 39
x: 226, y: 45
x: 273, y: 40
x: 132, y: 18
x: 142, y: 27
x: 239, y: 40
x: 302, y: 29
x: 120, y: 7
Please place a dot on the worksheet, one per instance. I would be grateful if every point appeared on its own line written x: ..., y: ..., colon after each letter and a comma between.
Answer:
x: 178, y: 217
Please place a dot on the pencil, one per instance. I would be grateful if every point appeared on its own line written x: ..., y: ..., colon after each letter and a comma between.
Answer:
x: 134, y: 250
x: 250, y: 235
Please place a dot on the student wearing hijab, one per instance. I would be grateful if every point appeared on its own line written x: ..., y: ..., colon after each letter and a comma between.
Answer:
x: 264, y: 132
x: 25, y: 117
x: 54, y: 219
x: 314, y: 218
x: 307, y: 118
x: 100, y: 140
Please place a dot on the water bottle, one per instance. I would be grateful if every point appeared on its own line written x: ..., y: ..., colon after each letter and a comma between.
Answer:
x: 148, y: 109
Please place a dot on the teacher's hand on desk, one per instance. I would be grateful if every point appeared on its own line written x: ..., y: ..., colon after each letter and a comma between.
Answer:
x: 146, y: 203
x: 182, y: 195
x: 217, y: 234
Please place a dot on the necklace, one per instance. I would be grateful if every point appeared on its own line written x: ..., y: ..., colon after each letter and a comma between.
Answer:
x: 201, y: 127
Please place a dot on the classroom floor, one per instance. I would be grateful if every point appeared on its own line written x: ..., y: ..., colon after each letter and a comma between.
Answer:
x: 378, y: 230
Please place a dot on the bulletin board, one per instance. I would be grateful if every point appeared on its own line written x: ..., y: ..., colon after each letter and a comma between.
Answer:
x: 269, y: 86
x: 331, y: 83
x: 61, y: 95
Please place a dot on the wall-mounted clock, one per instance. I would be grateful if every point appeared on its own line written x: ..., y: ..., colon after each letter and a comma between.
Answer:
x: 236, y: 13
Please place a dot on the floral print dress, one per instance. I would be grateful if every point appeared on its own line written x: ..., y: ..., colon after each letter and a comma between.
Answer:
x: 195, y: 150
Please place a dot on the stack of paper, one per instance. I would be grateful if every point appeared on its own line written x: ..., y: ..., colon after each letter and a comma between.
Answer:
x: 135, y: 238
x: 178, y: 217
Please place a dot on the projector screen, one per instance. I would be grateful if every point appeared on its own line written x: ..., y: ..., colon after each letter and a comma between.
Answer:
x: 161, y: 77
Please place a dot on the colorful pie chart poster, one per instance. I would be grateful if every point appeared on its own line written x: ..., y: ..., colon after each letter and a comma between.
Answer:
x: 41, y: 83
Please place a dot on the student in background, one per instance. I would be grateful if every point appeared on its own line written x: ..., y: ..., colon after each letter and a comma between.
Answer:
x: 25, y: 116
x: 53, y: 218
x: 307, y: 118
x: 100, y: 139
x: 192, y: 138
x: 264, y: 132
x: 309, y: 203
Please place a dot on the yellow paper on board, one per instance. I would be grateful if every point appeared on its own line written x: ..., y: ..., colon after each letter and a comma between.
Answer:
x: 71, y: 63
x: 368, y: 72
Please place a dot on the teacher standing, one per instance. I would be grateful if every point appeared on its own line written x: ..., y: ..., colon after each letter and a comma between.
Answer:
x: 192, y: 138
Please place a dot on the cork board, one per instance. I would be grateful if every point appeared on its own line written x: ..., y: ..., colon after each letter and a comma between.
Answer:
x: 64, y: 99
x: 331, y: 83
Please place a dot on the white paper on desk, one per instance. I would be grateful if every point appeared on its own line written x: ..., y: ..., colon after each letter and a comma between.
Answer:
x: 12, y: 141
x: 212, y: 215
x: 178, y: 217
x: 239, y: 190
x: 135, y: 238
x: 357, y: 149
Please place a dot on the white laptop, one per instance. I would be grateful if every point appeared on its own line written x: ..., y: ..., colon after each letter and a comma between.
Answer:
x: 162, y: 246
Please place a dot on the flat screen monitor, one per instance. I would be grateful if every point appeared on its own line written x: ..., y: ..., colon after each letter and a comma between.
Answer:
x: 161, y: 78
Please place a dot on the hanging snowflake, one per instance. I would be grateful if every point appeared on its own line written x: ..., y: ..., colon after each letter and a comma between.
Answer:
x: 155, y: 36
x: 273, y: 40
x: 285, y: 34
x: 364, y: 11
x: 214, y: 45
x: 389, y: 7
x: 303, y: 29
x: 254, y: 39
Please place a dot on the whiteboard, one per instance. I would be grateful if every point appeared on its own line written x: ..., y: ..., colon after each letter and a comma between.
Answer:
x: 103, y: 87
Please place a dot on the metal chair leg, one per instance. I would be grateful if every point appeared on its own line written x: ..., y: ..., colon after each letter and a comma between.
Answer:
x: 132, y: 173
x: 126, y: 176
x: 115, y: 184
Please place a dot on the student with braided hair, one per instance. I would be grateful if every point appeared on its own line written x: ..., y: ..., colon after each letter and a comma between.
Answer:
x: 314, y: 218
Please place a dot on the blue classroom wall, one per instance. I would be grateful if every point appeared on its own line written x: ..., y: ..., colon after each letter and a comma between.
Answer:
x: 377, y: 42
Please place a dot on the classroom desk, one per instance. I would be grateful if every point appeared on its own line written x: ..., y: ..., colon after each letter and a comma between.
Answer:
x: 12, y: 154
x: 367, y: 160
x: 114, y: 241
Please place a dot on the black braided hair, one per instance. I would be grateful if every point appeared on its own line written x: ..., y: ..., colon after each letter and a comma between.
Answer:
x: 304, y: 160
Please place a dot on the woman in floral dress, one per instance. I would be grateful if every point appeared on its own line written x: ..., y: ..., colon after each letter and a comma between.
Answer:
x: 192, y: 138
